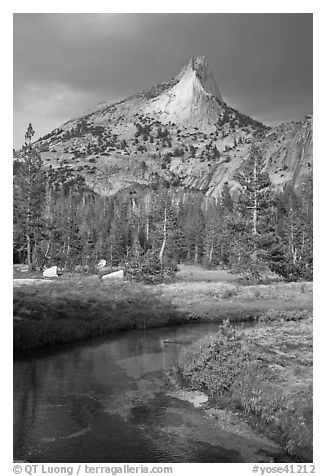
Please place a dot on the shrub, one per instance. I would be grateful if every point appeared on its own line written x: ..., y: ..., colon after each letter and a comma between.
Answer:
x: 257, y: 293
x: 200, y: 363
x: 149, y: 269
x: 225, y: 291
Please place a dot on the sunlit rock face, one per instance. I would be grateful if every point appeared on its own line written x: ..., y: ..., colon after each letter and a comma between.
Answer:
x: 194, y: 100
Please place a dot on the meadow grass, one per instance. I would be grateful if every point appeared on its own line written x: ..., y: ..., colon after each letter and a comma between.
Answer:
x: 222, y: 300
x: 265, y: 370
x: 68, y: 309
x: 62, y: 311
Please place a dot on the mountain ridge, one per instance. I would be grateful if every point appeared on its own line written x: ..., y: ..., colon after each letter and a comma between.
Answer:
x: 180, y: 132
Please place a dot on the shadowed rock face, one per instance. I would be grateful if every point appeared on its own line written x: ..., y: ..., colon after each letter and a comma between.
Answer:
x: 178, y: 132
x: 288, y: 153
x: 288, y: 150
x: 206, y: 77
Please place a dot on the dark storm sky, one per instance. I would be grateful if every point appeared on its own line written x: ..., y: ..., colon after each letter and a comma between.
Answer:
x: 66, y: 63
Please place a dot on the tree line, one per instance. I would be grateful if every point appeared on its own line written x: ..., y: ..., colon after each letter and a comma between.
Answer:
x: 58, y: 220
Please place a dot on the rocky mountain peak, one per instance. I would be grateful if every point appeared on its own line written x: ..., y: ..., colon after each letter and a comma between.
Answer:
x: 203, y: 72
x: 192, y: 99
x: 179, y: 132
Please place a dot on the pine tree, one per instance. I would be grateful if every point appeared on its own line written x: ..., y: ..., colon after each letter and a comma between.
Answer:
x: 193, y: 229
x: 295, y: 229
x: 29, y: 199
x: 216, y: 153
x: 306, y: 250
x: 226, y: 198
x: 134, y: 261
x: 212, y: 233
x: 70, y: 229
x: 119, y: 235
x: 253, y: 227
x: 165, y: 235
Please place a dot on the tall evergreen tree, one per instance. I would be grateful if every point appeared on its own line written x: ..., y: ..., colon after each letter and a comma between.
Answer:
x: 29, y: 200
x: 194, y: 229
x: 306, y: 251
x: 295, y: 229
x: 212, y: 233
x: 226, y: 198
x: 255, y: 239
x: 117, y: 240
x: 165, y: 235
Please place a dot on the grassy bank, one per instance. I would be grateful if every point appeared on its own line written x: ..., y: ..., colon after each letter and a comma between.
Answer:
x: 265, y: 370
x: 66, y: 309
x: 62, y: 311
x: 224, y: 300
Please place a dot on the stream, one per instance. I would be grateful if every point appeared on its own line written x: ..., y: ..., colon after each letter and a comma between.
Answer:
x: 110, y: 399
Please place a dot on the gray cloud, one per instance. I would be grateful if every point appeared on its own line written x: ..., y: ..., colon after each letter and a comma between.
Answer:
x: 66, y: 63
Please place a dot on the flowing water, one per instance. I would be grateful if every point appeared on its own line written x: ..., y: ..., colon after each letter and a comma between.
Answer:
x: 110, y: 400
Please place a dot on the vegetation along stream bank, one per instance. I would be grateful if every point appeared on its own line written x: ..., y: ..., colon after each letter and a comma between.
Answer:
x: 265, y: 371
